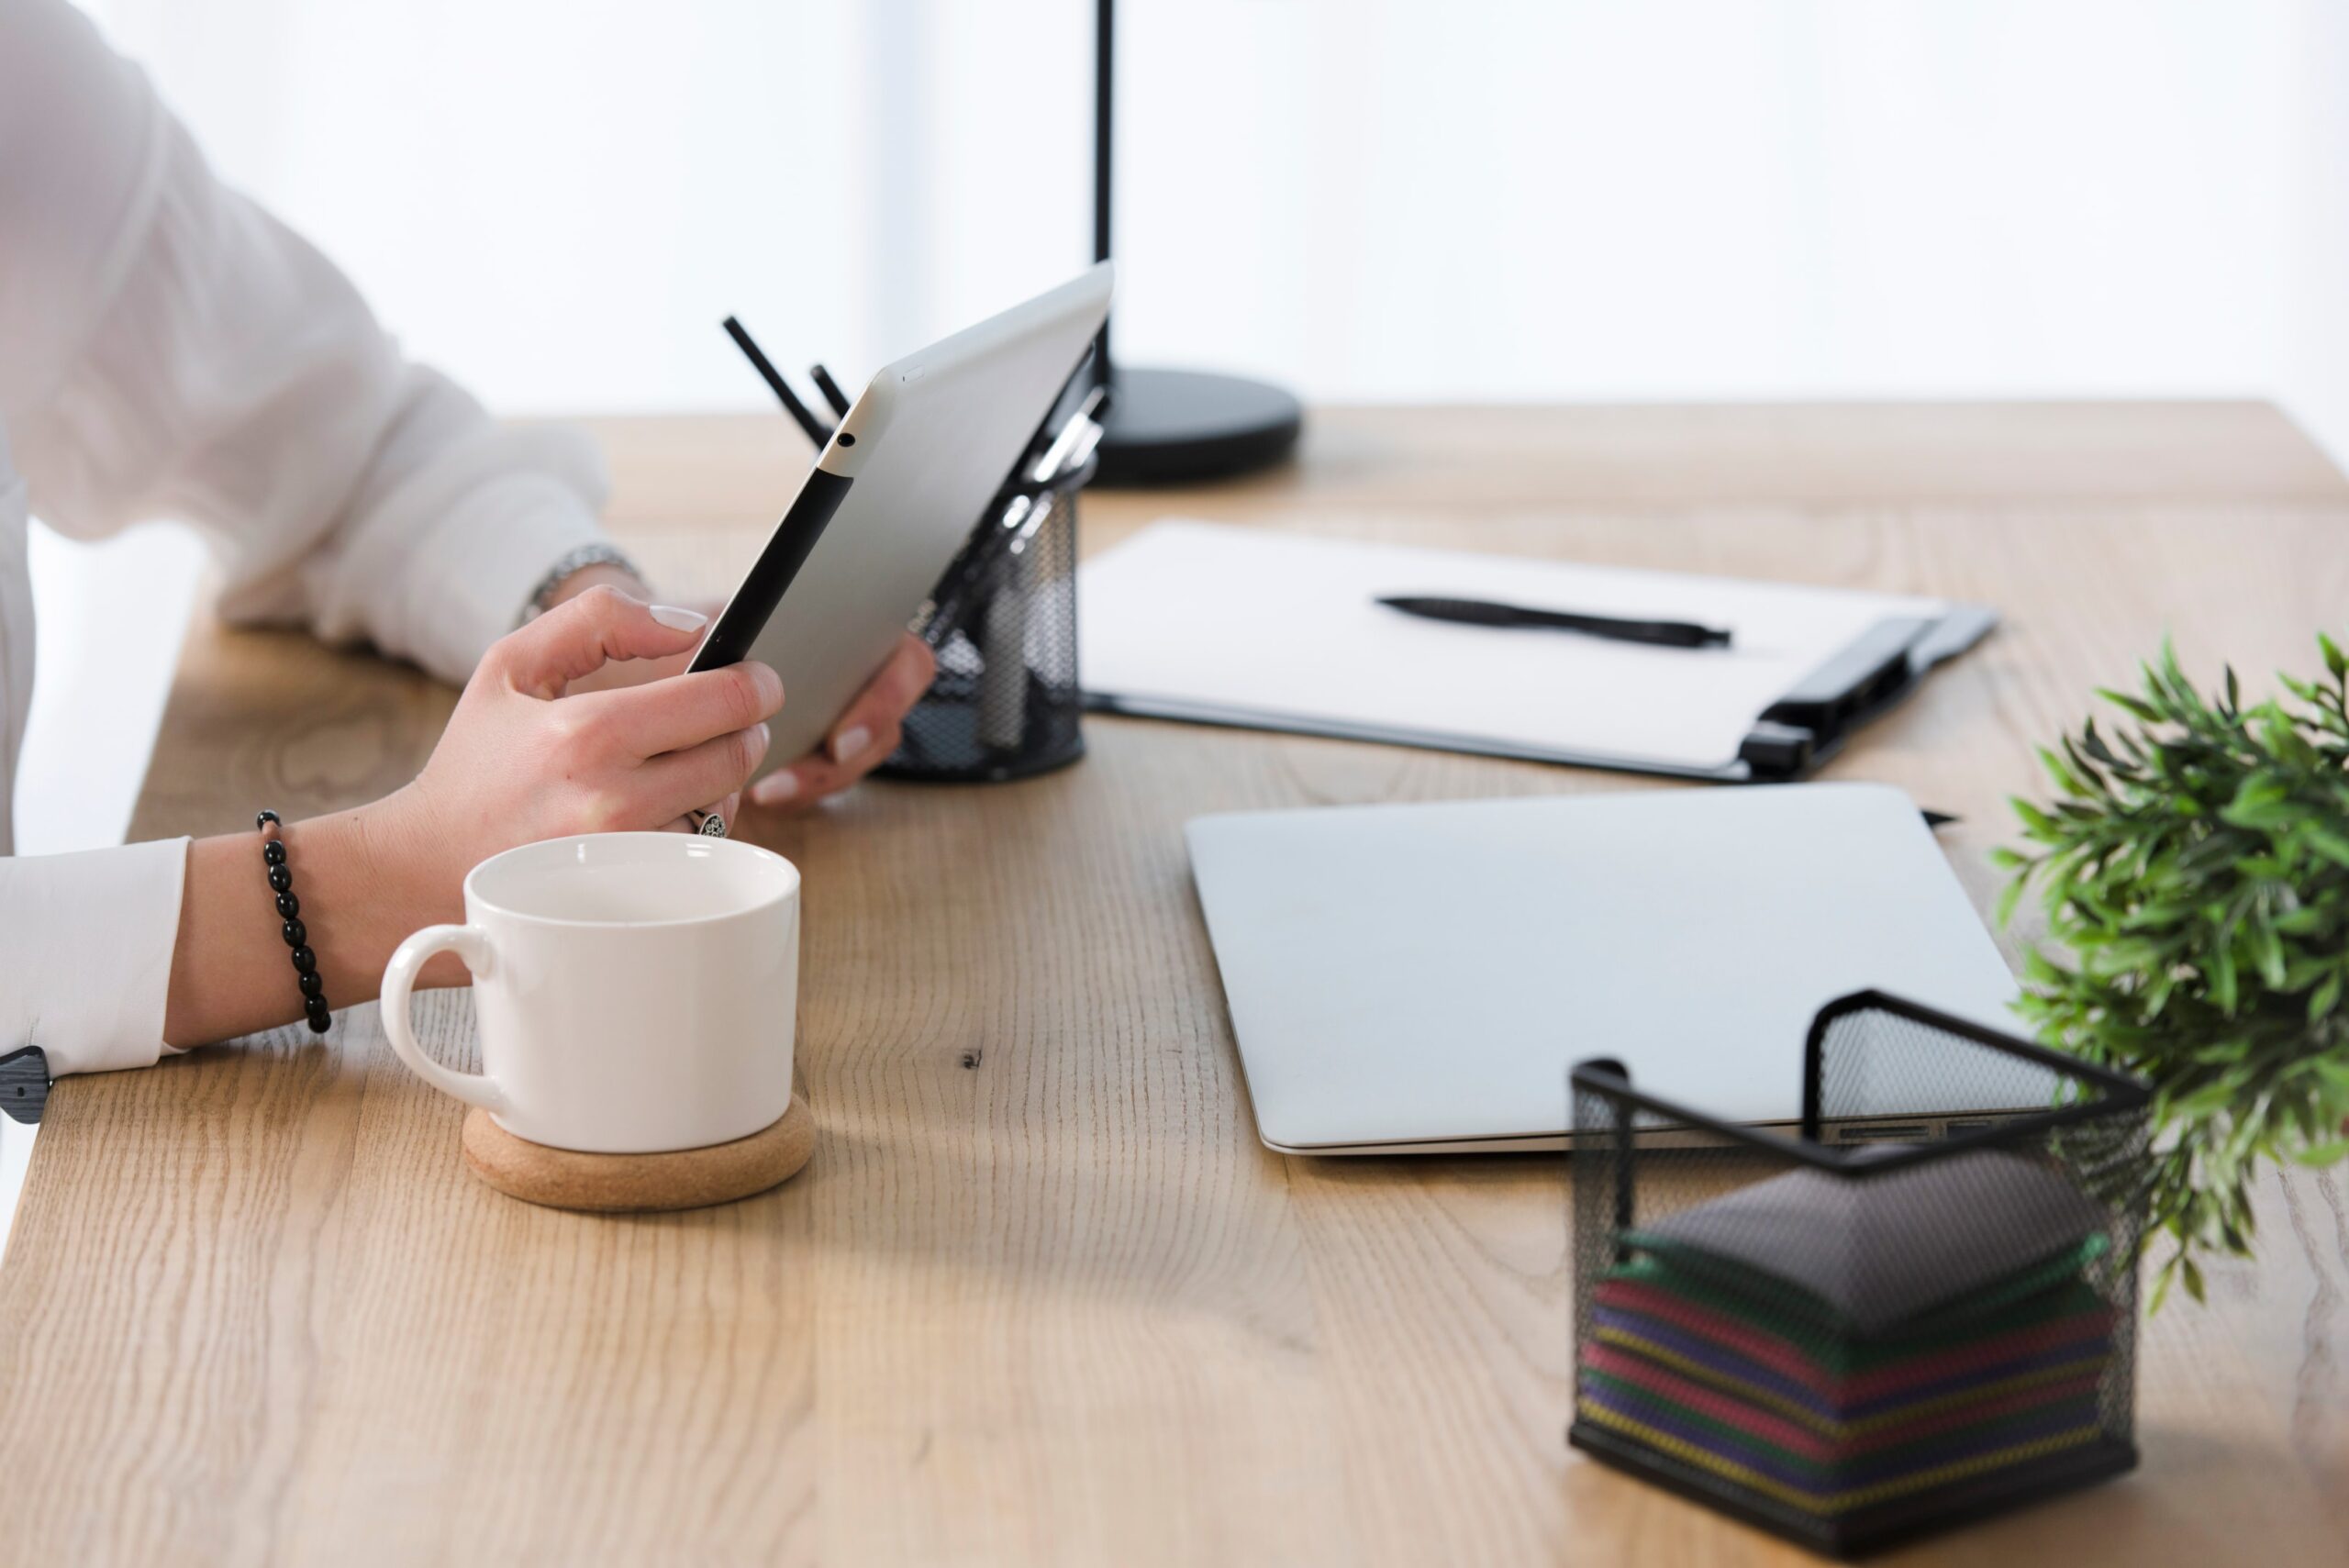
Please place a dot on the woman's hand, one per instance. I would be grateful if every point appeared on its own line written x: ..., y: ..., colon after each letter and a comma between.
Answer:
x: 860, y: 739
x: 526, y: 757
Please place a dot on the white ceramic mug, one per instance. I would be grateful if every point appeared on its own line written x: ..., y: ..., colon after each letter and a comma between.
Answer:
x: 634, y: 992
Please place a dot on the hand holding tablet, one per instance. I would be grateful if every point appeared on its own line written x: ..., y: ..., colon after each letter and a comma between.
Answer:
x: 891, y: 498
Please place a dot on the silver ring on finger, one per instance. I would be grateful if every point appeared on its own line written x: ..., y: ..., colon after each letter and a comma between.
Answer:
x: 708, y: 823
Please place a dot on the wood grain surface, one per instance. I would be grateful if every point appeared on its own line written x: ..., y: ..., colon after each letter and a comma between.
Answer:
x: 1041, y: 1296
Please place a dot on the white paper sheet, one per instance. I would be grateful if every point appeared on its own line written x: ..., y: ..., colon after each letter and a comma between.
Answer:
x: 1246, y: 626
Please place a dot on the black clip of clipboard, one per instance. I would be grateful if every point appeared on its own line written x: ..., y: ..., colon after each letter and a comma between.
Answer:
x: 1874, y: 672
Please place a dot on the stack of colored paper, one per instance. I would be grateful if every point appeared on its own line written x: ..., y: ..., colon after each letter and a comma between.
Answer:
x: 1874, y: 1378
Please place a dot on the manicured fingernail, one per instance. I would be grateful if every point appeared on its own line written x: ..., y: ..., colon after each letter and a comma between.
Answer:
x: 776, y: 787
x: 851, y: 744
x: 677, y: 618
x: 763, y: 734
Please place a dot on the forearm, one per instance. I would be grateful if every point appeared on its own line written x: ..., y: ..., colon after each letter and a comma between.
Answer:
x: 363, y: 880
x: 362, y: 890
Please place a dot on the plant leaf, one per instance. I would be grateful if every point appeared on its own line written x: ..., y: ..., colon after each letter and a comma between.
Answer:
x: 2008, y: 900
x: 2332, y: 846
x: 2325, y: 998
x: 2193, y: 863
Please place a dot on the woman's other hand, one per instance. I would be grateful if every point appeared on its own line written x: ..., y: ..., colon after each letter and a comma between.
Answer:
x: 861, y: 738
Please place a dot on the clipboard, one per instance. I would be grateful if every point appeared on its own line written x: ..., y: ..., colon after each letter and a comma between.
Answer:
x: 1216, y: 624
x: 1869, y: 676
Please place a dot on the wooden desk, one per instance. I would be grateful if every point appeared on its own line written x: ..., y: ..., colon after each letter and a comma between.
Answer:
x: 1042, y: 1296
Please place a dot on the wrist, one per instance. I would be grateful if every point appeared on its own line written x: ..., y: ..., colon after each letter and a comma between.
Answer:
x: 407, y: 875
x: 362, y: 881
x: 357, y: 888
x: 357, y: 898
x: 590, y: 566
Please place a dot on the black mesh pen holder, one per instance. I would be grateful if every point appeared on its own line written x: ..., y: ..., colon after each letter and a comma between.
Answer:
x: 1918, y: 1310
x: 1003, y: 624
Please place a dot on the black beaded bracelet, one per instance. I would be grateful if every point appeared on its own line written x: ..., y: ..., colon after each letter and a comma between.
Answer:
x: 296, y: 935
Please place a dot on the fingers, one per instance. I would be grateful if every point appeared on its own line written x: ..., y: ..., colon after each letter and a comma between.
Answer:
x: 728, y: 811
x: 623, y: 672
x: 682, y: 711
x: 862, y: 737
x: 579, y: 636
x: 816, y: 775
x: 692, y: 778
x: 886, y: 700
x: 779, y: 788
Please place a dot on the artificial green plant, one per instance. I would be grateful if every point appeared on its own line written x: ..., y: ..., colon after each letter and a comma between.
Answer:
x: 2195, y: 866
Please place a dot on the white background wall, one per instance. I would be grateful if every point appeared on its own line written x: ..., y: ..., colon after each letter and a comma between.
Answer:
x: 1367, y: 199
x: 557, y: 199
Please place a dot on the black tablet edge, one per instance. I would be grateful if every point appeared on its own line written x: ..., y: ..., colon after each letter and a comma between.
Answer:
x: 755, y: 602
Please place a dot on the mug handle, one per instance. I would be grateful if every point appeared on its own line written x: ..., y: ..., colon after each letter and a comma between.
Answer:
x: 469, y: 944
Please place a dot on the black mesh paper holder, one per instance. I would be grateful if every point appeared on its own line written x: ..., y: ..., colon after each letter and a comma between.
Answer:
x: 1006, y: 704
x: 2088, y: 1137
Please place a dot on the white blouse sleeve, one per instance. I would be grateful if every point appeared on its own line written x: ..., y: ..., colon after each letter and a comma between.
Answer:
x: 167, y: 349
x: 171, y: 350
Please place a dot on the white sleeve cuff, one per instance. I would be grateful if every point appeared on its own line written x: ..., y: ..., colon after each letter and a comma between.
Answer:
x: 90, y: 938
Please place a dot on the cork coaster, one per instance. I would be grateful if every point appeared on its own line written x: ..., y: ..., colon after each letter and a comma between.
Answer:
x: 611, y: 1183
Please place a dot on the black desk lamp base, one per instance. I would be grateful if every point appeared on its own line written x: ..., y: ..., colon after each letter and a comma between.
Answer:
x: 1180, y: 426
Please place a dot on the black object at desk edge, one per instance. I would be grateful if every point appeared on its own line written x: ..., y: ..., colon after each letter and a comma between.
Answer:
x: 25, y: 1083
x: 1874, y: 674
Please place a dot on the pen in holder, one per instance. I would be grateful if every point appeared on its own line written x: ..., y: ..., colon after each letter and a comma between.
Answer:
x: 1002, y: 621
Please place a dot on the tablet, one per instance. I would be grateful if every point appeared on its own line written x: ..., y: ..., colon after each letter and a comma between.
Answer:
x: 893, y: 495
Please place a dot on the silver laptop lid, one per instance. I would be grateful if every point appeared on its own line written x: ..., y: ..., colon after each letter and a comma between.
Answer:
x: 1425, y: 975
